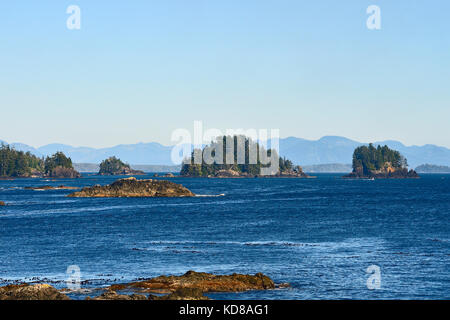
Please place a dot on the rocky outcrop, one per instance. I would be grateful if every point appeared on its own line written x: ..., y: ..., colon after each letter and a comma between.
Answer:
x: 182, y: 294
x: 294, y: 173
x: 169, y: 175
x: 230, y: 174
x: 387, y: 173
x: 297, y: 173
x: 112, y: 295
x: 63, y: 173
x: 44, y: 188
x: 31, y: 292
x: 2, y: 204
x: 126, y: 171
x: 204, y: 282
x: 131, y: 187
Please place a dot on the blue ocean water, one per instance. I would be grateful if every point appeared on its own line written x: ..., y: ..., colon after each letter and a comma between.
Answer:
x: 319, y: 235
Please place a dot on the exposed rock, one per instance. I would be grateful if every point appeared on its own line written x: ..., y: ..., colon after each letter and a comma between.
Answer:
x: 131, y: 187
x: 51, y: 188
x: 229, y: 174
x: 182, y: 294
x: 31, y: 292
x: 63, y: 173
x: 297, y: 172
x: 204, y: 282
x: 124, y: 172
x: 2, y: 204
x: 112, y: 295
x: 169, y: 175
x: 387, y: 173
x: 294, y: 173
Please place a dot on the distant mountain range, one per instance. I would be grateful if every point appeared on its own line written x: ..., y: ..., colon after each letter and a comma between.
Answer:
x: 327, y: 150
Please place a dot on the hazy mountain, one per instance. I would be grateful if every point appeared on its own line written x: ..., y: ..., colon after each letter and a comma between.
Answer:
x: 327, y: 150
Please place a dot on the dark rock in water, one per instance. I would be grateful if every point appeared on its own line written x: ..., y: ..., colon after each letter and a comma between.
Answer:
x: 51, y: 188
x: 112, y: 295
x: 169, y: 175
x: 205, y: 282
x: 230, y: 173
x: 389, y: 173
x: 182, y: 294
x: 31, y: 292
x: 133, y: 188
x: 2, y: 204
x: 63, y: 173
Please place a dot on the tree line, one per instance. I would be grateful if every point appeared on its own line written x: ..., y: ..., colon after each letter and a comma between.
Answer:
x: 248, y: 161
x: 15, y: 163
x: 370, y: 158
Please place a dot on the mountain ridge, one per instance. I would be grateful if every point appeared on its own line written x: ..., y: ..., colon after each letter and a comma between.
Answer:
x: 326, y: 150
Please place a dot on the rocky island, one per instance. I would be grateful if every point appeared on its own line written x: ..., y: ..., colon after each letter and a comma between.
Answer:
x: 379, y: 163
x: 133, y: 188
x: 247, y: 165
x: 31, y: 292
x: 19, y: 164
x: 190, y: 286
x: 115, y: 167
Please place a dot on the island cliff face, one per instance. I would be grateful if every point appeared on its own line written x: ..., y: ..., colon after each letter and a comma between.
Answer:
x: 379, y: 163
x: 115, y: 167
x: 248, y: 166
x: 133, y: 188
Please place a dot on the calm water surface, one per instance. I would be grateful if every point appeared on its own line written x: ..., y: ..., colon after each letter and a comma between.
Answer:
x: 320, y: 235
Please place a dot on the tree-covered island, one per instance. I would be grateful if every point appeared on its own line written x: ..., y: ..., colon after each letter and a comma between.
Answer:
x: 116, y: 167
x: 19, y: 164
x: 236, y: 157
x: 379, y: 162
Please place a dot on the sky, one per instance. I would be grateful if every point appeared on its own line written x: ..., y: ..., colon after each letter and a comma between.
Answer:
x: 137, y: 70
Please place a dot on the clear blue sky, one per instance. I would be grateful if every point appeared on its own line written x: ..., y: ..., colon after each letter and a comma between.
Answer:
x: 139, y: 69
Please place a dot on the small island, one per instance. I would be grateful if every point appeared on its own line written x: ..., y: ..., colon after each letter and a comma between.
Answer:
x: 19, y: 164
x: 379, y: 163
x: 248, y: 167
x: 190, y: 286
x: 115, y: 167
x: 133, y: 188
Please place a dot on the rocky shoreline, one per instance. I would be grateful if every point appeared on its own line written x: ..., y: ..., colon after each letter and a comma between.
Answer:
x: 235, y: 174
x: 133, y: 188
x: 402, y: 173
x: 190, y: 286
